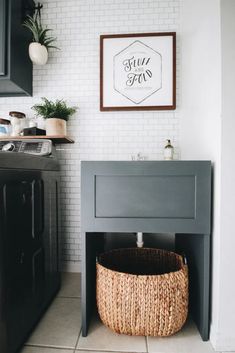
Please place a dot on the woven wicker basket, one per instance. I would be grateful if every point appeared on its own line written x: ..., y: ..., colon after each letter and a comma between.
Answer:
x: 142, y: 291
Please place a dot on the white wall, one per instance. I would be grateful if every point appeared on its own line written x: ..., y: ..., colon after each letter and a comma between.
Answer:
x: 208, y: 35
x: 200, y: 66
x: 73, y: 73
x: 201, y: 109
x: 225, y: 338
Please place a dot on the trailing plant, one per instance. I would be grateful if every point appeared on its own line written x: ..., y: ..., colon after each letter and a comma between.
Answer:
x: 57, y: 109
x: 40, y: 34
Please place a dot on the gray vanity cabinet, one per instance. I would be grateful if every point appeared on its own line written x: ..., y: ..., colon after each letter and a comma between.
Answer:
x: 150, y: 197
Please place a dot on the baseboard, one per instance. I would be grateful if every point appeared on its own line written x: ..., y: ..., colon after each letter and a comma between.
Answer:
x: 70, y: 266
x: 222, y: 344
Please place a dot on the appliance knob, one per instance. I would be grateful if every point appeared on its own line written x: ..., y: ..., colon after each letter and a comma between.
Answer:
x: 8, y: 147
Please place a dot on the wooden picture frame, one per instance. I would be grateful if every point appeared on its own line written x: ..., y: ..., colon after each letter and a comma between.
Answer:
x: 138, y: 71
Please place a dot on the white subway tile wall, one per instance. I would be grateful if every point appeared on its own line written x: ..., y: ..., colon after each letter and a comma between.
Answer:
x: 72, y: 73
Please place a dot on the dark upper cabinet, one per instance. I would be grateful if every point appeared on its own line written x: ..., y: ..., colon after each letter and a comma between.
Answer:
x: 2, y: 37
x: 15, y: 65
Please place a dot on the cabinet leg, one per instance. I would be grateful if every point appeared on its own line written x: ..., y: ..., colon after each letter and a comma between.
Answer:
x: 197, y: 250
x: 92, y: 244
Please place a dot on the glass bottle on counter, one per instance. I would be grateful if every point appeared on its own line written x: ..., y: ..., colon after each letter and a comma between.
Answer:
x: 18, y: 122
x: 168, y: 151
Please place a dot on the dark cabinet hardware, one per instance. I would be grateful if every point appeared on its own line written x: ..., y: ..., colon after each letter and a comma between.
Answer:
x: 22, y: 258
x: 23, y: 199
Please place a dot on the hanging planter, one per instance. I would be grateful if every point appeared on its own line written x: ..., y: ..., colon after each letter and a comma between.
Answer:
x: 56, y: 115
x: 38, y: 53
x: 41, y: 41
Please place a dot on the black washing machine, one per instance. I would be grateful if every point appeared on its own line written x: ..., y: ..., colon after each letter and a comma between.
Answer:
x: 29, y: 237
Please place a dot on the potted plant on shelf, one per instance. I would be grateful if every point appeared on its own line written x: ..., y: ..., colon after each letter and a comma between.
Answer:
x: 41, y: 41
x: 56, y: 114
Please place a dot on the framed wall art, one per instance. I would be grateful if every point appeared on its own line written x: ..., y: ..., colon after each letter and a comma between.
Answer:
x: 138, y: 71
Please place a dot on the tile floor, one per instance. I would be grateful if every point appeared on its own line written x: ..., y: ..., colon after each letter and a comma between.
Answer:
x: 59, y: 331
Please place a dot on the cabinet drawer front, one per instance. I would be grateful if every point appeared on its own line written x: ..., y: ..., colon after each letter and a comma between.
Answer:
x: 145, y: 196
x: 154, y: 197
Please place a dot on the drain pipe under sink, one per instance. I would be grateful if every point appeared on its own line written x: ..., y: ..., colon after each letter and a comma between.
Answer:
x: 140, y: 242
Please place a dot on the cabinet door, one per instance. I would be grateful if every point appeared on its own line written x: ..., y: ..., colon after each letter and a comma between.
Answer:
x: 25, y: 260
x: 37, y: 209
x: 16, y: 260
x: 3, y: 48
x: 37, y: 249
x: 29, y: 276
x: 51, y: 235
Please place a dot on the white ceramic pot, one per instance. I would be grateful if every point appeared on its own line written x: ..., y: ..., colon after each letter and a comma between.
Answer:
x: 56, y: 127
x: 38, y: 53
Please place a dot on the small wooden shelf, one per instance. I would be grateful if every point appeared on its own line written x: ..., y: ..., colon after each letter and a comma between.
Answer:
x: 55, y: 139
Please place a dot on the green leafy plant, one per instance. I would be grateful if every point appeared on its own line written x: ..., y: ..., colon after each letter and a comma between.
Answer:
x: 57, y: 109
x: 40, y: 34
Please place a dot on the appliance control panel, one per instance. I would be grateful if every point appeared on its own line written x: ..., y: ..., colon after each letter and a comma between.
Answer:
x: 36, y: 147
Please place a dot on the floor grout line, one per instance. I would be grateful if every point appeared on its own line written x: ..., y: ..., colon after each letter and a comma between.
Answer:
x: 47, y: 346
x: 51, y: 347
x: 79, y: 333
x: 108, y: 351
x: 147, y: 346
x: 69, y: 297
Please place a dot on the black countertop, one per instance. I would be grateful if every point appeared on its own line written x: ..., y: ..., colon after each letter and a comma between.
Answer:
x: 24, y: 161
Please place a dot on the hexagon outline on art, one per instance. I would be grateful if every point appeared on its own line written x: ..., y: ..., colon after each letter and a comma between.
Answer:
x: 149, y: 95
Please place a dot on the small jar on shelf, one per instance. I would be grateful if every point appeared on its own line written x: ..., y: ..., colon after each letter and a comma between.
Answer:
x: 18, y: 122
x: 5, y: 127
